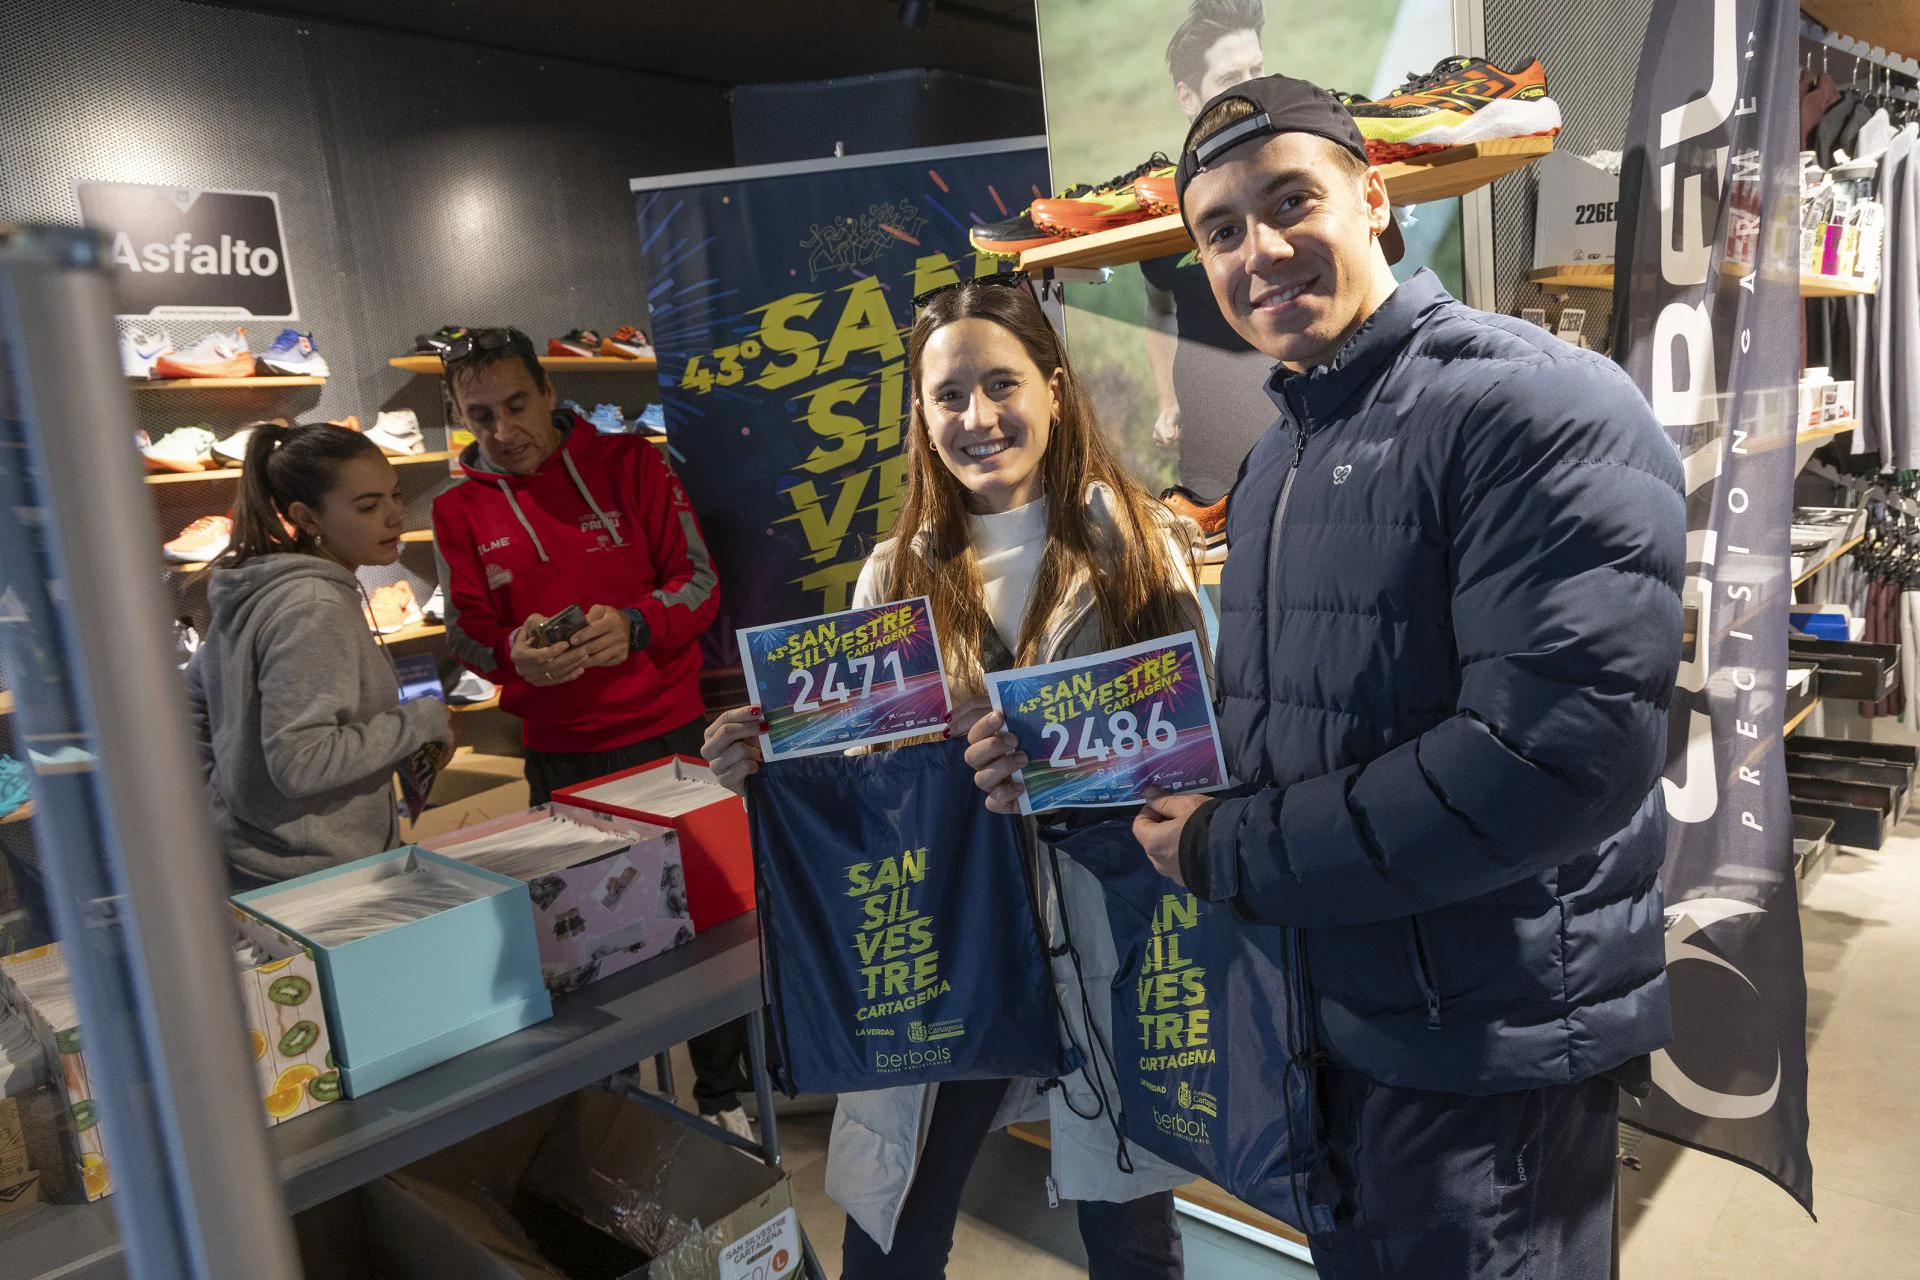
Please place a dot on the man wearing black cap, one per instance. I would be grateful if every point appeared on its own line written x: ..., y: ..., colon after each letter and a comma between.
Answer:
x: 1447, y: 645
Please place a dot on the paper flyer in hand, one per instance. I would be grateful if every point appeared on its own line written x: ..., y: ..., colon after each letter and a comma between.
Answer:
x: 1098, y: 731
x: 846, y: 679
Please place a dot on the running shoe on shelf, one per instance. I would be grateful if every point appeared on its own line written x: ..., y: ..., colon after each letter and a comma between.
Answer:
x: 1210, y: 516
x: 627, y: 343
x: 437, y: 342
x: 1013, y: 237
x: 205, y: 540
x: 608, y: 420
x: 581, y: 342
x: 652, y: 421
x: 218, y: 355
x: 139, y: 350
x: 1462, y: 100
x: 435, y: 609
x: 1094, y: 207
x: 232, y: 452
x: 294, y: 354
x: 182, y: 449
x: 469, y: 689
x: 397, y: 432
x: 393, y: 608
x: 349, y: 423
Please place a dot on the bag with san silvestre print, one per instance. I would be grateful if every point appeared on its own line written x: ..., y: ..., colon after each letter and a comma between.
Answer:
x: 899, y: 931
x: 1212, y: 1038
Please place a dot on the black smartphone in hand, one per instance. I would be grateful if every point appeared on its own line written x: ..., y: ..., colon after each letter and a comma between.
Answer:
x: 561, y: 627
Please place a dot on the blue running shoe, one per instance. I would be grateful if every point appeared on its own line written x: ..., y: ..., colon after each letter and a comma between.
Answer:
x: 652, y: 420
x: 13, y: 785
x: 294, y: 354
x: 608, y: 420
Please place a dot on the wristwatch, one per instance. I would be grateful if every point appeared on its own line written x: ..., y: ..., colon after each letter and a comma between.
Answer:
x: 639, y: 632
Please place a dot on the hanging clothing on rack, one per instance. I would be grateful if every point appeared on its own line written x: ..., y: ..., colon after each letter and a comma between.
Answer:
x: 1896, y: 313
x: 1817, y: 96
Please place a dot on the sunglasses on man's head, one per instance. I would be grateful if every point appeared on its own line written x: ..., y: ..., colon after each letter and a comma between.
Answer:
x: 486, y: 340
x: 999, y: 279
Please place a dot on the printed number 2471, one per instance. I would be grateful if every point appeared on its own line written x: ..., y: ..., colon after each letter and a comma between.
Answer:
x: 1122, y: 726
x: 833, y: 689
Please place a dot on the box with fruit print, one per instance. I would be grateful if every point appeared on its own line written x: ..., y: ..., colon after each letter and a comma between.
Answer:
x: 35, y: 982
x: 286, y: 1016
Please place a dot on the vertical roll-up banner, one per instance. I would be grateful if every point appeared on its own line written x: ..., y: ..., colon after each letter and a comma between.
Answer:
x: 1707, y: 318
x: 781, y: 296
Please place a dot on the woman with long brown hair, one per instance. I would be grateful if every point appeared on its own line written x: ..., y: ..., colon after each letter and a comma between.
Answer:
x: 1034, y: 544
x: 295, y: 701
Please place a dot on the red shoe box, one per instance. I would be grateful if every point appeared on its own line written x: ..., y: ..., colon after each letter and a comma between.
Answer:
x: 680, y: 792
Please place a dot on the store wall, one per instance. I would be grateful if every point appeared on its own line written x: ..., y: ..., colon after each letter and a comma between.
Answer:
x: 890, y: 111
x: 421, y: 181
x: 1592, y: 55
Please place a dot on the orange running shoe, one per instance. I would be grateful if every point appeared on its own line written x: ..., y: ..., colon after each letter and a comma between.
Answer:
x: 1210, y: 516
x: 1013, y: 236
x: 1089, y: 208
x: 1158, y: 194
x: 393, y: 608
x: 1461, y: 101
x: 218, y: 355
x: 581, y: 342
x: 206, y: 539
x: 627, y: 343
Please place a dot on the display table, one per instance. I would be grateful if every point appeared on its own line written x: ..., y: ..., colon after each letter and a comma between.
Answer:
x: 594, y: 1032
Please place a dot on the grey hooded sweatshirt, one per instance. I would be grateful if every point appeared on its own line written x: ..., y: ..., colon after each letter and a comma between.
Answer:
x: 298, y: 714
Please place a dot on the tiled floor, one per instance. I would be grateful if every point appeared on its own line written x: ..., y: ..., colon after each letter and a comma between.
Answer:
x: 1687, y: 1216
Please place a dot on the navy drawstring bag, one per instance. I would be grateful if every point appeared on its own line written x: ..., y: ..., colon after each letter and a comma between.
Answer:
x: 899, y: 931
x: 1212, y: 1033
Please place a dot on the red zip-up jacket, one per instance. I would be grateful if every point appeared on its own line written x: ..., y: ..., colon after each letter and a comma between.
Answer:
x: 603, y: 521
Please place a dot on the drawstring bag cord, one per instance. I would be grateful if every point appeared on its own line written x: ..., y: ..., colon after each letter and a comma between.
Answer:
x: 1123, y: 1159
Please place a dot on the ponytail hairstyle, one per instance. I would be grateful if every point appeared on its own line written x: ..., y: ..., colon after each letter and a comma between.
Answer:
x: 1138, y: 590
x: 285, y: 465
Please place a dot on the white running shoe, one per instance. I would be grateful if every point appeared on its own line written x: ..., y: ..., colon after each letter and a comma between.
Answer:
x: 233, y: 450
x: 435, y: 608
x: 470, y: 689
x: 139, y: 349
x: 182, y: 449
x: 397, y: 432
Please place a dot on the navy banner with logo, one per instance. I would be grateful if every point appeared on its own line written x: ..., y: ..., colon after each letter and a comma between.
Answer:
x: 1707, y: 322
x: 781, y: 297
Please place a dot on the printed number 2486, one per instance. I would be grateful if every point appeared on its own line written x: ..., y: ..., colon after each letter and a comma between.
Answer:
x: 1122, y: 726
x: 833, y: 689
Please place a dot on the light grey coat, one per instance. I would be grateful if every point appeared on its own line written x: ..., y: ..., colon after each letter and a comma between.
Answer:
x: 875, y: 1145
x: 297, y: 711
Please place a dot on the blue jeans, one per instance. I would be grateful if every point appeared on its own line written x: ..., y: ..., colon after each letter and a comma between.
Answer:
x: 1136, y: 1240
x: 1447, y: 1187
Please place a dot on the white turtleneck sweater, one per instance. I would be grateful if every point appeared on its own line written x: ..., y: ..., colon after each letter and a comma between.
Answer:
x: 1008, y: 547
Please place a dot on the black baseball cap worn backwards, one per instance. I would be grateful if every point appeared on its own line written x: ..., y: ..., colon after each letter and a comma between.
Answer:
x: 1280, y: 104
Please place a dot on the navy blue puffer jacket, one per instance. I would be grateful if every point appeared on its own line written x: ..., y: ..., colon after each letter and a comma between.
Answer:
x: 1444, y: 682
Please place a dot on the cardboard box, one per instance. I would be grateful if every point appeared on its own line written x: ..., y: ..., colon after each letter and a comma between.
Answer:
x: 682, y: 793
x: 472, y: 789
x: 599, y: 1184
x: 82, y: 1139
x: 403, y: 999
x: 1576, y: 212
x: 19, y: 1183
x: 286, y: 1013
x: 605, y: 913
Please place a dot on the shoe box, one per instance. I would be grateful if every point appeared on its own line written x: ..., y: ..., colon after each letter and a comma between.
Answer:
x: 606, y: 912
x: 1846, y: 669
x: 472, y: 970
x: 474, y: 787
x: 1861, y: 788
x: 681, y: 792
x: 593, y: 1185
x: 1812, y: 848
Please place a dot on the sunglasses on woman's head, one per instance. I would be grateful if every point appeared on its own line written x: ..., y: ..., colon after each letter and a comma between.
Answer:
x: 999, y: 279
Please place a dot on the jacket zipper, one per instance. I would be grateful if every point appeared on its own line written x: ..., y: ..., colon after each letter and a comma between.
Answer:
x: 1423, y: 966
x: 1273, y: 542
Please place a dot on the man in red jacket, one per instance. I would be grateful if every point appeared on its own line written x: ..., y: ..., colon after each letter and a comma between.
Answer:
x: 550, y: 513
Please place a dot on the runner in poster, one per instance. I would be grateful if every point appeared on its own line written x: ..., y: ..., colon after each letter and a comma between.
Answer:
x: 1101, y: 730
x: 849, y: 679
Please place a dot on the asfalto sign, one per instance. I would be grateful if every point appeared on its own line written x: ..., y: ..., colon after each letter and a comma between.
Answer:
x: 182, y: 251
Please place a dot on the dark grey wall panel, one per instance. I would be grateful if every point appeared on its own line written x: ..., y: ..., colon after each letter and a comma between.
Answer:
x: 1592, y: 54
x: 890, y: 111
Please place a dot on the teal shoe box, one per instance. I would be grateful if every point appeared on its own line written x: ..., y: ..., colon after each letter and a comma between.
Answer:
x: 403, y: 999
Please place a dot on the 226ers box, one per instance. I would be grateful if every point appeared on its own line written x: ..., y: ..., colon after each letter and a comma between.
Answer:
x: 681, y: 792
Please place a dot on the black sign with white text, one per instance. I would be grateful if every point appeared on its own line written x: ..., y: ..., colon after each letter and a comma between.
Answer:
x: 177, y: 251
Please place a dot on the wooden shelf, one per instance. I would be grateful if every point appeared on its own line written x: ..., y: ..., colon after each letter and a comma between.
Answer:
x: 1799, y: 719
x: 273, y: 383
x: 424, y: 631
x: 23, y: 814
x: 233, y: 473
x: 6, y: 702
x: 488, y: 705
x: 1210, y: 574
x: 1599, y: 275
x: 417, y: 535
x: 1439, y: 176
x: 1828, y: 559
x: 1891, y: 24
x: 1826, y: 430
x: 559, y: 364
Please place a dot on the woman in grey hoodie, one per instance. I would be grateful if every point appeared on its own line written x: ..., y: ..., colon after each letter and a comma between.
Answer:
x: 295, y: 701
